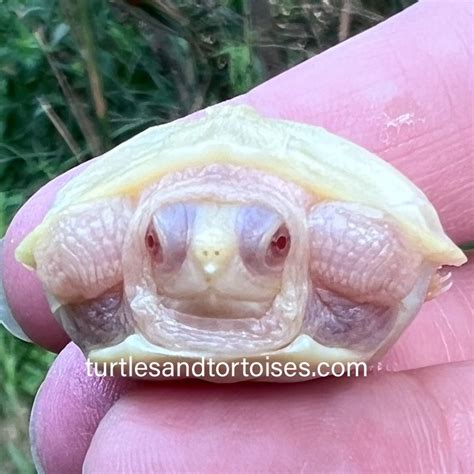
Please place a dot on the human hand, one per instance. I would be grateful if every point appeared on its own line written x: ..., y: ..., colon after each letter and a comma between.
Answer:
x: 411, y: 106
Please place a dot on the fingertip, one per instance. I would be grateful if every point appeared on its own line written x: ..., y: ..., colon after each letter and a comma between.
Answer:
x: 24, y: 294
x: 404, y: 92
x: 329, y: 425
x: 67, y: 409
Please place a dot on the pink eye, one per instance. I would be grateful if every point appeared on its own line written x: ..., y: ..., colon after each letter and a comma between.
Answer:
x: 152, y: 243
x: 281, y: 243
x: 279, y: 247
x: 166, y: 238
x: 262, y: 248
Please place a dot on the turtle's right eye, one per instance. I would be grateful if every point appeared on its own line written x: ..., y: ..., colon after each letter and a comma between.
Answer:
x: 153, y: 244
x: 167, y: 236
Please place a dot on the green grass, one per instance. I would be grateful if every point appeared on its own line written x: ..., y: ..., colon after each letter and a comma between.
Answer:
x: 80, y: 76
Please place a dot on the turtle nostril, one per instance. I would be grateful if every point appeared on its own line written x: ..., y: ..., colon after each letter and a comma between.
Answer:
x: 213, y: 253
x: 213, y: 259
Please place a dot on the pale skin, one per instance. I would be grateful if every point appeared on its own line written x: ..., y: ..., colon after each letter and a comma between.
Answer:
x: 414, y: 419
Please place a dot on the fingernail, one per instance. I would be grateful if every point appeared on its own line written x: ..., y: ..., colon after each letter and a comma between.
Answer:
x: 6, y: 316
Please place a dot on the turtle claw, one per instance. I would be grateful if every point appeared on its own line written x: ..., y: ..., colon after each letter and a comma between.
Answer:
x: 440, y: 283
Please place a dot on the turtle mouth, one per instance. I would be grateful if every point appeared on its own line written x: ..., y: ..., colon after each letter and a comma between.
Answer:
x: 215, y: 304
x: 217, y: 322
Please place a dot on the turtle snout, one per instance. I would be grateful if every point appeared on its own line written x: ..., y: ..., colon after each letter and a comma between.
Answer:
x: 213, y: 254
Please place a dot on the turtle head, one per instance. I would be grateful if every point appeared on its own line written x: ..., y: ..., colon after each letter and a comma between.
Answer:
x: 217, y: 259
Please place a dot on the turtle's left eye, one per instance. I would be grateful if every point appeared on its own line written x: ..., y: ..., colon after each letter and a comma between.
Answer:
x: 264, y: 239
x: 279, y: 247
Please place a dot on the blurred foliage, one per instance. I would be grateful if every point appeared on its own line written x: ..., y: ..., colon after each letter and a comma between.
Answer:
x: 22, y: 368
x: 80, y: 76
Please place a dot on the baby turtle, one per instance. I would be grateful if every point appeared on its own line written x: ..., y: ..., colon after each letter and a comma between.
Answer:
x: 232, y: 236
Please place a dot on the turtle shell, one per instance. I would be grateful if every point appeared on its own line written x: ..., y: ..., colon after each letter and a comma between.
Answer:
x: 325, y: 165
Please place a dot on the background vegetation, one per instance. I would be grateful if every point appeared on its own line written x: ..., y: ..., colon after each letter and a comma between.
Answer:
x: 80, y: 76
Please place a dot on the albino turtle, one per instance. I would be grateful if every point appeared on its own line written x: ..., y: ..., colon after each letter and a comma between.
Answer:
x: 233, y: 236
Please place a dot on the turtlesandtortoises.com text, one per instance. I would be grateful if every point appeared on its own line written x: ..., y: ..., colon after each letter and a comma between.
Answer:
x: 208, y: 367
